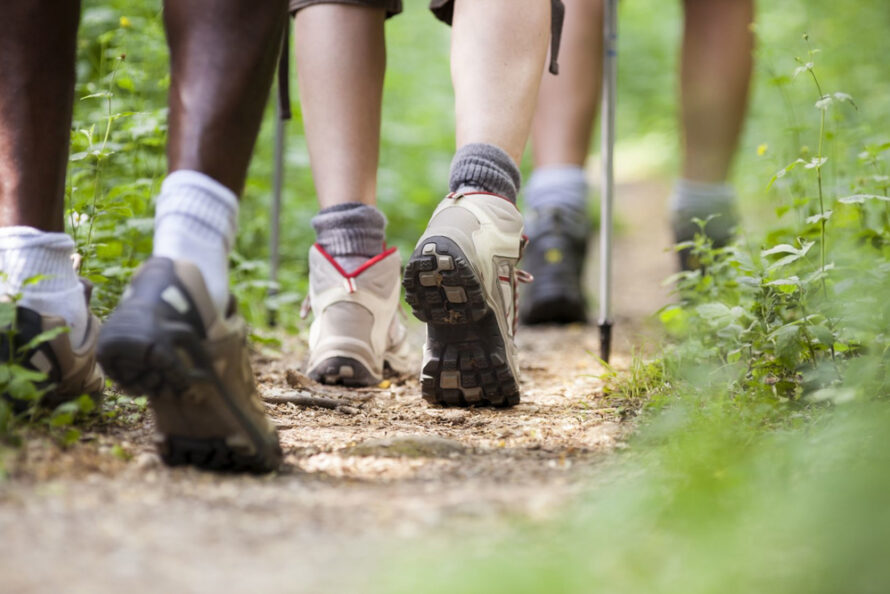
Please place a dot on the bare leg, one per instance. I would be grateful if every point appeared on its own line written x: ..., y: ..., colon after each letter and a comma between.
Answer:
x: 222, y: 54
x: 715, y: 76
x: 37, y: 45
x: 567, y: 104
x: 341, y: 59
x: 498, y: 49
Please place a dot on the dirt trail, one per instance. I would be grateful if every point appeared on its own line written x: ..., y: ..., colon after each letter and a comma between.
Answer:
x: 389, y: 469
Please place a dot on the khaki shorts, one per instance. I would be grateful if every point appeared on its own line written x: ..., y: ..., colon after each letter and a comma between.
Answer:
x: 442, y: 8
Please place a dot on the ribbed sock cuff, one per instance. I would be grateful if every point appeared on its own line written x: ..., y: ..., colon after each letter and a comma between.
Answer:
x: 486, y: 168
x: 352, y: 229
x: 557, y: 186
x: 200, y: 205
x: 26, y: 253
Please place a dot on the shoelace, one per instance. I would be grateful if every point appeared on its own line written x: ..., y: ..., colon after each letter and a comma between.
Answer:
x: 520, y: 276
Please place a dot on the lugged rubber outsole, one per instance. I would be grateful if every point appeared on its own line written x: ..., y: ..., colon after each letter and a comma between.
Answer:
x: 343, y: 371
x: 468, y: 363
x: 146, y: 359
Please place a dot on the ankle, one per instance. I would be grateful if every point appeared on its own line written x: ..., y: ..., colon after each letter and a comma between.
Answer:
x: 562, y: 187
x: 486, y: 168
x: 694, y: 199
x: 351, y: 233
x: 196, y: 220
x: 26, y: 254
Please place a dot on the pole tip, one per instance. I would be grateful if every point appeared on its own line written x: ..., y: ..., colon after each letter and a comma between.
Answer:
x: 605, y: 340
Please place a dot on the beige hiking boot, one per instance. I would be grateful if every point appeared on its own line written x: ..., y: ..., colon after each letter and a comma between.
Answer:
x: 357, y: 330
x: 166, y: 340
x: 461, y: 280
x: 71, y: 370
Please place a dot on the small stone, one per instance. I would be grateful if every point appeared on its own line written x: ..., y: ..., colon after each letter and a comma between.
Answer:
x: 147, y: 460
x: 455, y: 417
x: 297, y: 380
x: 408, y: 446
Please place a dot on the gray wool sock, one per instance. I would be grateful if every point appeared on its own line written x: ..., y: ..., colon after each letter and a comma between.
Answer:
x: 351, y: 233
x: 692, y: 199
x: 485, y: 168
x: 558, y: 186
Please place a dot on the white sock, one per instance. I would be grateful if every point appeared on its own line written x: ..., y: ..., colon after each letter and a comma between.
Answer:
x: 25, y: 253
x: 195, y: 219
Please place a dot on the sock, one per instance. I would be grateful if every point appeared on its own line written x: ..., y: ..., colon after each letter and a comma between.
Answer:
x: 484, y: 168
x: 351, y: 233
x: 195, y: 219
x: 701, y: 200
x: 26, y: 252
x: 558, y: 186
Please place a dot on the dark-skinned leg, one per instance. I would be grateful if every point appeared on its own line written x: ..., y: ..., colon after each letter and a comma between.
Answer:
x: 37, y: 50
x: 173, y: 336
x: 222, y: 56
x: 37, y: 45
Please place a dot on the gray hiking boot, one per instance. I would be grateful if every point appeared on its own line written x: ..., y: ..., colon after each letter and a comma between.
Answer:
x: 555, y: 258
x: 461, y: 280
x: 717, y: 209
x: 166, y: 339
x: 357, y: 331
x: 71, y: 370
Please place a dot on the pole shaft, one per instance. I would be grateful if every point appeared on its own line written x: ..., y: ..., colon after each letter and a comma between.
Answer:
x: 610, y: 71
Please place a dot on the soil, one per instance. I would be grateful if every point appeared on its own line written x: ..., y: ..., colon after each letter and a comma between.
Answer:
x: 104, y: 515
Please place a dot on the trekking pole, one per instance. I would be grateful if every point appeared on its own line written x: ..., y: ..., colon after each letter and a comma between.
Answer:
x: 282, y: 114
x: 610, y: 69
x: 275, y: 215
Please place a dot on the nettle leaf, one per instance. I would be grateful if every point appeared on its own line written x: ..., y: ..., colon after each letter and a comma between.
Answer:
x: 7, y: 314
x: 816, y: 163
x: 844, y: 97
x: 861, y: 198
x: 801, y: 69
x: 42, y: 338
x: 786, y: 285
x: 819, y: 217
x: 824, y: 335
x: 834, y: 395
x: 818, y: 275
x: 786, y: 338
x: 718, y: 314
x: 794, y: 254
x: 784, y: 171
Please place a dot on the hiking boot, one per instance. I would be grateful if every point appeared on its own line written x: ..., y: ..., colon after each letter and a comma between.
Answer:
x: 461, y: 281
x: 166, y: 340
x: 357, y: 331
x: 718, y: 219
x: 71, y: 371
x: 555, y: 258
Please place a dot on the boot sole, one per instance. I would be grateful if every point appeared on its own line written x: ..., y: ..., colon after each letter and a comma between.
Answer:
x: 166, y: 361
x: 343, y: 371
x: 468, y: 363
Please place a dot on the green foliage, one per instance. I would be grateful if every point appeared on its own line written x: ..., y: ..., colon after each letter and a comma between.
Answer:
x: 22, y: 390
x: 761, y: 464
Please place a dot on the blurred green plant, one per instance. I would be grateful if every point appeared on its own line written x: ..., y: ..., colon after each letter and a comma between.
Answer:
x: 22, y: 389
x: 761, y: 462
